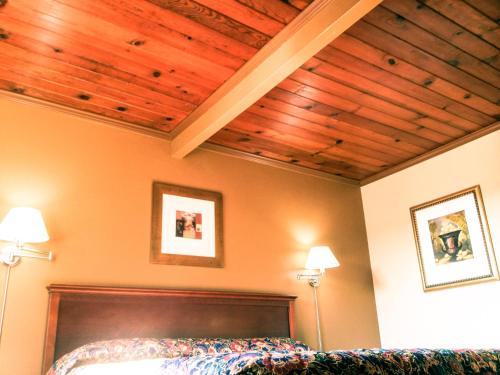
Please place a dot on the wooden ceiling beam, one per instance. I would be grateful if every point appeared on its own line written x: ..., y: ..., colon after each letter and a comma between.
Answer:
x: 312, y: 30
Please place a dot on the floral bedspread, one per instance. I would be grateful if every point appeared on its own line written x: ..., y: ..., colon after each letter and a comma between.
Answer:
x: 268, y: 356
x: 375, y: 361
x: 142, y: 349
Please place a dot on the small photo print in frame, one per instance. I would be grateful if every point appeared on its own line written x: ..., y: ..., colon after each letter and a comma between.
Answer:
x: 453, y: 241
x: 186, y: 226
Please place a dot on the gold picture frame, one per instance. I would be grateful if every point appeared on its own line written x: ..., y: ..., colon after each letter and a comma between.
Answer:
x: 453, y: 241
x: 186, y: 226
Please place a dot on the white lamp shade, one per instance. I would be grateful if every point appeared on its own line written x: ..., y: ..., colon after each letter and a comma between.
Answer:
x: 23, y: 224
x: 321, y: 257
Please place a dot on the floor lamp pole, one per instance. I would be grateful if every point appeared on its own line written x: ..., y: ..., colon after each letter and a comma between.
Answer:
x: 11, y: 257
x: 4, y: 302
x: 320, y: 258
x: 318, y: 326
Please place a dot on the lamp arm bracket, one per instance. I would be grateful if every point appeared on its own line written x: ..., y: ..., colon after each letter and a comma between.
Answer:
x: 313, y: 279
x: 32, y: 253
x: 9, y: 259
x: 11, y: 256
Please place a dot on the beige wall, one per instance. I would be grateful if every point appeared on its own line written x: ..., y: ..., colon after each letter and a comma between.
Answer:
x: 93, y: 185
x: 467, y: 316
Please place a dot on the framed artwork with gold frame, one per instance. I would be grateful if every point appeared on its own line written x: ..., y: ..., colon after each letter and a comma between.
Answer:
x: 186, y: 226
x: 453, y: 242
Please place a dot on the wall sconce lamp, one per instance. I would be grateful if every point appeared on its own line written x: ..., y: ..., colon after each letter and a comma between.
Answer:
x: 320, y: 258
x: 21, y: 225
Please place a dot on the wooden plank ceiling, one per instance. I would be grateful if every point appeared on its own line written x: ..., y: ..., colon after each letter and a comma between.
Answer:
x: 409, y: 77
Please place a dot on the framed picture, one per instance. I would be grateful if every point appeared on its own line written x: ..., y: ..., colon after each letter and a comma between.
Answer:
x: 453, y: 242
x: 186, y: 226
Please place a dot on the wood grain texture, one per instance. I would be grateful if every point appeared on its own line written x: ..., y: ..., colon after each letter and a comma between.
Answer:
x: 411, y: 77
x: 447, y: 147
x: 405, y: 80
x: 446, y: 29
x: 397, y: 25
x: 445, y: 69
x: 312, y: 30
x: 419, y: 75
x: 469, y: 18
x: 83, y: 314
x: 51, y: 332
x: 489, y: 8
x: 146, y: 63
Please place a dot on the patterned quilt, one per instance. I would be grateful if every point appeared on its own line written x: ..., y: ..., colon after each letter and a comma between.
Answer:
x: 375, y: 361
x: 264, y: 356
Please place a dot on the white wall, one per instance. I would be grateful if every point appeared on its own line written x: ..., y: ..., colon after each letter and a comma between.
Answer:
x: 467, y: 316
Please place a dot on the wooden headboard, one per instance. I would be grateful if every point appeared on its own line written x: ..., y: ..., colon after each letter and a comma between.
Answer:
x: 82, y: 314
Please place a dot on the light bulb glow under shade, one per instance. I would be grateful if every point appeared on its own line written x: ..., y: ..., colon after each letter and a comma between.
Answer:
x: 321, y: 257
x: 23, y: 224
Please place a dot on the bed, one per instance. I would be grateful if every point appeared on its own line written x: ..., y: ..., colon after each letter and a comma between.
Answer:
x: 107, y: 330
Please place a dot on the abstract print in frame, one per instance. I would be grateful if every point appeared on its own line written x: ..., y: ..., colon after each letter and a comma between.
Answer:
x: 186, y: 226
x: 453, y: 242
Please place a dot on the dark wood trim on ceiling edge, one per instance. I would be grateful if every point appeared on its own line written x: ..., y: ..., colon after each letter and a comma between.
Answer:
x: 276, y: 164
x: 83, y: 114
x: 159, y: 134
x: 433, y: 153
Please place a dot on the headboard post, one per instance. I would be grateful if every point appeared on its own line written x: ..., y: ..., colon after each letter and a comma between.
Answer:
x: 50, y: 330
x: 78, y: 315
x: 291, y: 317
